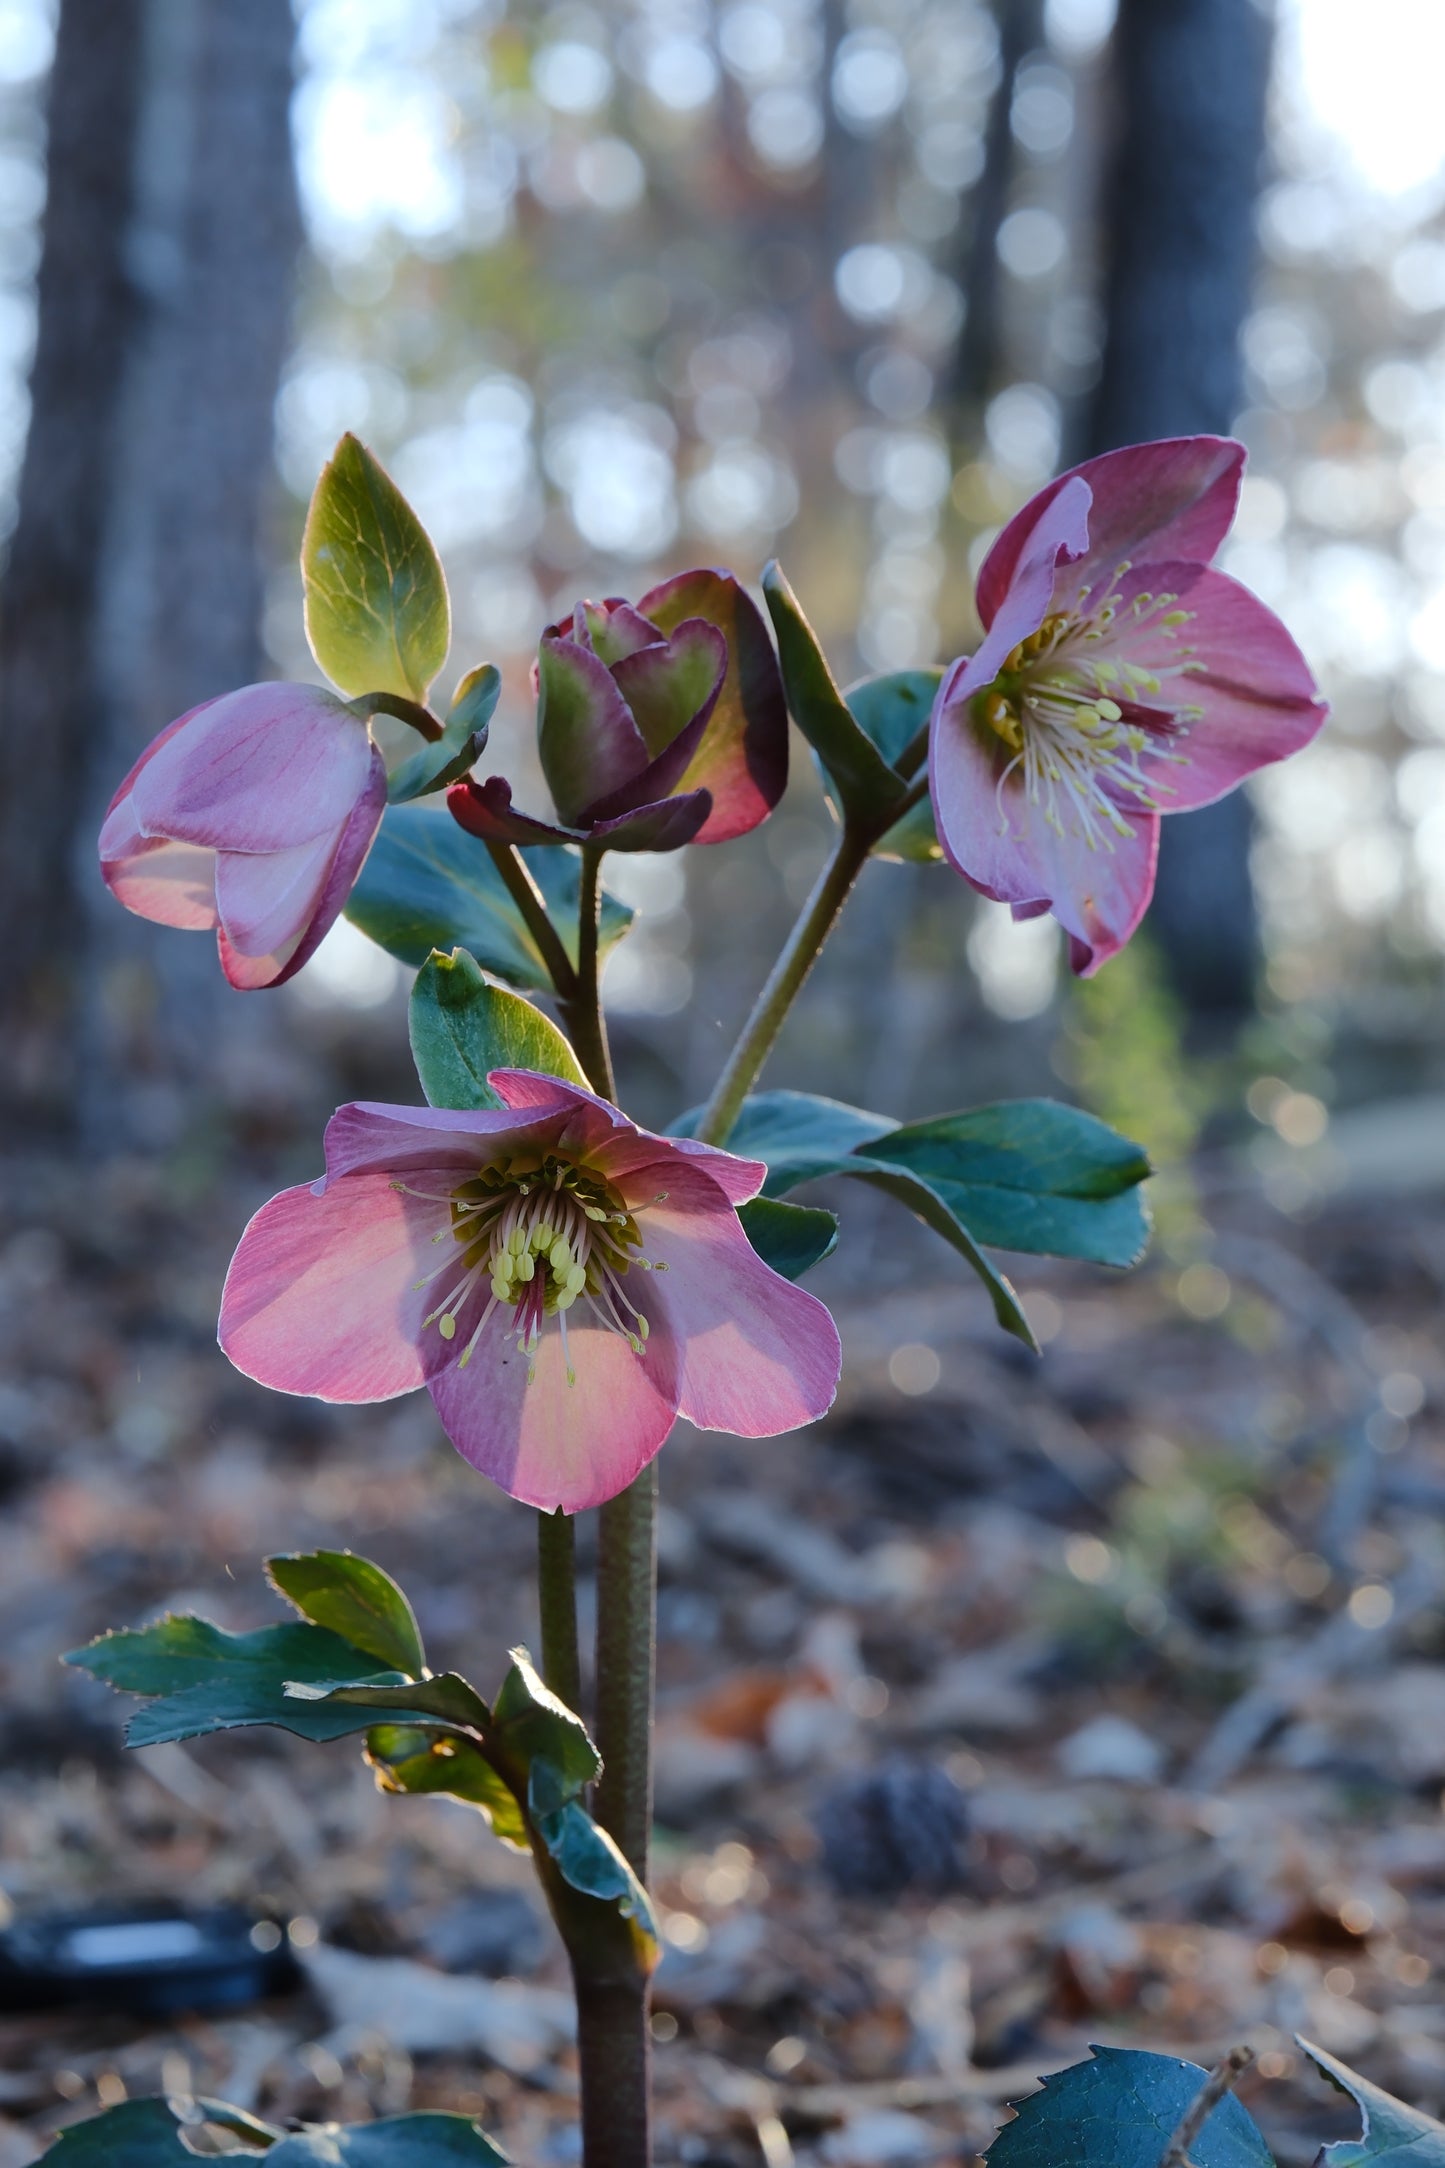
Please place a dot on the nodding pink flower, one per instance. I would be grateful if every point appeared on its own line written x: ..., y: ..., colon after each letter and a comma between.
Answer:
x: 563, y: 1283
x: 252, y: 814
x: 1120, y: 678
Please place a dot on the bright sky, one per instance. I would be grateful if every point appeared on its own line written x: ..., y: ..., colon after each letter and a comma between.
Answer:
x: 1372, y: 76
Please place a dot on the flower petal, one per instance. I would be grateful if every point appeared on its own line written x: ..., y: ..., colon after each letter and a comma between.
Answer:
x: 173, y: 884
x: 673, y: 682
x: 275, y: 913
x: 368, y: 1134
x: 743, y: 756
x: 1060, y: 535
x: 758, y: 1355
x: 1171, y: 499
x: 663, y: 827
x: 588, y: 743
x: 558, y: 1446
x: 321, y: 1295
x: 262, y: 769
x: 611, y: 629
x: 486, y: 810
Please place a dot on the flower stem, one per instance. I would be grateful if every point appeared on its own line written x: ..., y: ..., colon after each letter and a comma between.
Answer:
x: 557, y: 1601
x: 582, y: 1006
x: 626, y: 1663
x: 526, y: 895
x: 784, y: 981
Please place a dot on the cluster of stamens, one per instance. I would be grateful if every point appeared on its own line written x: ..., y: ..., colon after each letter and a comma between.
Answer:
x: 1055, y: 705
x: 546, y: 1235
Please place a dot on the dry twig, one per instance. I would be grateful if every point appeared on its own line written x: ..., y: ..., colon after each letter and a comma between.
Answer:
x: 1220, y: 2082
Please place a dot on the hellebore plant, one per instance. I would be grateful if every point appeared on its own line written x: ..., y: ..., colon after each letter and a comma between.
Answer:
x: 564, y: 1283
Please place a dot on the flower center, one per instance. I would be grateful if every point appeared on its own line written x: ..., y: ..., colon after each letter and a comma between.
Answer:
x: 546, y: 1235
x: 1055, y: 705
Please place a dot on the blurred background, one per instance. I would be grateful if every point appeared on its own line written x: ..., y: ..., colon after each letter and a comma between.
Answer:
x: 613, y: 290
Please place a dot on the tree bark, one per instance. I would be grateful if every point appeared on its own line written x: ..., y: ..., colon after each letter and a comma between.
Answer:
x: 50, y: 594
x: 1190, y: 84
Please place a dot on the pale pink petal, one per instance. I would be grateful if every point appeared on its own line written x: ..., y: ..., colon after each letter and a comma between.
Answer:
x: 305, y: 910
x: 350, y: 856
x: 173, y: 884
x: 262, y: 769
x: 1099, y: 894
x: 641, y: 1164
x: 162, y: 737
x: 552, y: 1444
x: 267, y: 900
x: 1059, y: 536
x: 370, y: 1134
x: 321, y: 1294
x: 758, y: 1355
x: 1171, y: 499
x: 1258, y: 693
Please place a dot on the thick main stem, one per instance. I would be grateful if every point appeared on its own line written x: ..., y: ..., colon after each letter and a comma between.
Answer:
x: 626, y: 1660
x: 614, y: 2053
x: 557, y: 1602
x: 783, y: 984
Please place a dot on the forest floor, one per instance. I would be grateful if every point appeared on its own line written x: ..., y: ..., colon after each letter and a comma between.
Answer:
x: 1019, y: 1705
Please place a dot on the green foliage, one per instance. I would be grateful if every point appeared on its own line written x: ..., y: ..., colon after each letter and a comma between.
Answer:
x: 428, y: 885
x: 533, y: 1724
x: 405, y: 1758
x: 462, y: 1026
x: 148, y: 2134
x: 461, y: 742
x: 892, y: 709
x: 1120, y: 2110
x: 377, y: 614
x: 798, y: 1134
x: 864, y: 786
x: 792, y: 1238
x: 1391, y: 2135
x: 356, y: 1600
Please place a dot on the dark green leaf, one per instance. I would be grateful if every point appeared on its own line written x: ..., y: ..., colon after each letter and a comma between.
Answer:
x: 447, y: 1697
x: 797, y: 1134
x: 377, y: 615
x: 892, y: 709
x: 207, y: 1680
x: 531, y: 1724
x: 147, y: 2134
x: 428, y: 2140
x: 429, y: 885
x: 409, y: 1759
x: 137, y: 2134
x: 589, y: 1859
x: 462, y: 1026
x: 866, y: 786
x: 356, y: 1600
x: 1119, y: 2111
x: 1029, y: 1174
x: 1391, y: 2135
x: 461, y: 743
x: 927, y: 1203
x: 792, y: 1238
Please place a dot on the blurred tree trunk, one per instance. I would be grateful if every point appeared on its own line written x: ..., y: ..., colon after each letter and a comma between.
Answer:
x: 49, y: 596
x: 1020, y: 32
x: 160, y: 594
x: 1190, y: 79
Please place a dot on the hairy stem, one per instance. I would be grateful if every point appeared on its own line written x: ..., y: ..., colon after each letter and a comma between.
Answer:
x: 526, y: 895
x: 799, y: 954
x: 626, y: 1662
x: 582, y: 1006
x: 557, y: 1602
x: 614, y: 2051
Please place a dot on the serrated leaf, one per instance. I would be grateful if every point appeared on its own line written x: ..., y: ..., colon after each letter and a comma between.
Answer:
x: 356, y: 1600
x: 1030, y: 1175
x: 461, y: 743
x: 147, y: 2134
x: 426, y: 2140
x: 1119, y: 2111
x: 447, y: 1697
x: 532, y: 1724
x: 462, y: 1026
x: 428, y: 885
x: 791, y: 1238
x: 892, y: 709
x: 407, y: 1758
x: 867, y: 788
x: 376, y: 608
x: 1392, y: 2135
x: 200, y: 1679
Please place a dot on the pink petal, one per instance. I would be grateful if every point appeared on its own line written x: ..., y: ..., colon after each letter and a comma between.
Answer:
x: 368, y: 1134
x: 552, y: 1444
x: 320, y: 1297
x: 1171, y: 499
x: 262, y: 769
x: 620, y: 1147
x: 276, y: 910
x: 743, y: 757
x: 758, y: 1355
x: 1258, y: 694
x: 173, y: 884
x: 1059, y: 536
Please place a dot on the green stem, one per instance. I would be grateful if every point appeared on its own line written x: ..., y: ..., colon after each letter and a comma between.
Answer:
x: 421, y: 719
x: 526, y: 895
x: 557, y: 1602
x: 784, y: 981
x: 626, y: 1653
x: 582, y: 1006
x: 913, y: 752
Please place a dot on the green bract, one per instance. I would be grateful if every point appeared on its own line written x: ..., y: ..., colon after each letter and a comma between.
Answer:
x: 462, y: 1026
x: 377, y: 614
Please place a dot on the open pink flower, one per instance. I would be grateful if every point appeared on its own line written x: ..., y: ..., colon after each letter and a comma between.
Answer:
x: 1119, y: 678
x: 252, y: 814
x: 563, y: 1283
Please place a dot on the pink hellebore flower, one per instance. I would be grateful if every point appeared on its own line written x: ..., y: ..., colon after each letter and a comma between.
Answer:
x: 1119, y: 679
x: 252, y: 814
x: 594, y: 1283
x: 658, y: 724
